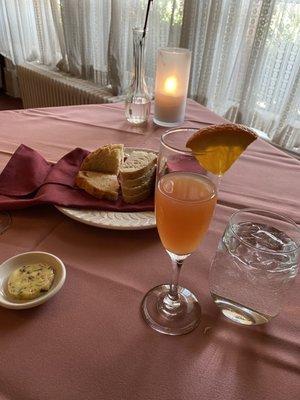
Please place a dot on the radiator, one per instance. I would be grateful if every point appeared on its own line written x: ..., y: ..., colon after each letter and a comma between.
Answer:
x: 42, y: 87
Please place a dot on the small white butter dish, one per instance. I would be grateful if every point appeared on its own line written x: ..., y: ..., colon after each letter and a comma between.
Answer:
x: 32, y: 257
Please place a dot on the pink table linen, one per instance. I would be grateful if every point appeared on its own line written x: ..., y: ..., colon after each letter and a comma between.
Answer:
x: 89, y: 341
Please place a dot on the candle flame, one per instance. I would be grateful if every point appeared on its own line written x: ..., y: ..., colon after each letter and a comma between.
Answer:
x: 171, y: 84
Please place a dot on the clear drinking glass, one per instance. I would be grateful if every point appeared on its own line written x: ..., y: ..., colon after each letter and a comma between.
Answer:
x: 255, y: 265
x: 185, y: 199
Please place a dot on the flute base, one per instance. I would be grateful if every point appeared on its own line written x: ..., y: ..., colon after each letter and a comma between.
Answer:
x: 167, y: 124
x: 171, y: 317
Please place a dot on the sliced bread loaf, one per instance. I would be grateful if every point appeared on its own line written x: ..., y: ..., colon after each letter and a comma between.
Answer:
x: 137, y: 164
x: 136, y: 198
x: 97, y: 184
x: 133, y: 190
x: 105, y: 159
x: 138, y: 181
x: 137, y: 176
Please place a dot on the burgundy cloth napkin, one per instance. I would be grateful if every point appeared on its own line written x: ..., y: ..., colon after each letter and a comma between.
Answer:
x: 29, y: 180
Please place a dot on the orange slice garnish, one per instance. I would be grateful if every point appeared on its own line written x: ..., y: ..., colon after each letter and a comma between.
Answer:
x: 217, y: 147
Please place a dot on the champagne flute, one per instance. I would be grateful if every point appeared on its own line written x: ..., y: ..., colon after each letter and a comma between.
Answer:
x: 185, y: 198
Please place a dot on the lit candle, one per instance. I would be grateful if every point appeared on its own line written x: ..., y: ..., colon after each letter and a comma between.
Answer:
x: 171, y: 85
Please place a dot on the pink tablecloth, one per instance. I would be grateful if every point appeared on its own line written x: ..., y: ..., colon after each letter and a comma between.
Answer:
x: 90, y: 342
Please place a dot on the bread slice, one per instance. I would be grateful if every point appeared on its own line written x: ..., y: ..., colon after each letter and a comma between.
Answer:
x: 137, y: 164
x: 141, y: 187
x: 134, y: 190
x: 136, y: 198
x: 105, y: 159
x: 97, y: 184
x: 138, y: 181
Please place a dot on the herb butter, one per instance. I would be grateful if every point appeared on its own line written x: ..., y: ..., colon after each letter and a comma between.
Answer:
x: 30, y: 281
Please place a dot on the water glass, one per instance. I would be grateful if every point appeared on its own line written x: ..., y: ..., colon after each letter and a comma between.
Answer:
x: 254, y: 266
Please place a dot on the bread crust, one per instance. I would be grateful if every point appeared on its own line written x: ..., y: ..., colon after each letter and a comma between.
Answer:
x: 107, y: 159
x: 131, y: 172
x: 134, y: 190
x: 137, y: 197
x: 138, y: 181
x: 85, y: 180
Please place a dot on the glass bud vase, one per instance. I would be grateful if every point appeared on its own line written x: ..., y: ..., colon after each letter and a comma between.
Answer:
x: 138, y: 100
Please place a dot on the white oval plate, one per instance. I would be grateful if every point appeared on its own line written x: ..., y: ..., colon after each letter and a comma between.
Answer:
x: 113, y: 219
x: 32, y: 257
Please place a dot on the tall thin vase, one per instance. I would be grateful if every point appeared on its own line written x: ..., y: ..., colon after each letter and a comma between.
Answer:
x: 138, y: 100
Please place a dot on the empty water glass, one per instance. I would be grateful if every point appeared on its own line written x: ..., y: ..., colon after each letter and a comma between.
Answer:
x: 254, y: 266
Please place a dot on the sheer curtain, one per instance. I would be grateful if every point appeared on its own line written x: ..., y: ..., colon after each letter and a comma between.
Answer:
x: 18, y: 37
x: 86, y: 25
x: 246, y: 58
x: 27, y: 32
x: 98, y: 36
x: 91, y: 39
x: 164, y: 29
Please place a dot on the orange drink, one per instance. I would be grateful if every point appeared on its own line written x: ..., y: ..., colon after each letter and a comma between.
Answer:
x: 185, y: 198
x: 184, y: 205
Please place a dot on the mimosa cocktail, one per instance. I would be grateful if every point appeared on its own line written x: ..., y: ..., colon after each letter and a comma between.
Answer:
x: 185, y: 198
x: 184, y: 205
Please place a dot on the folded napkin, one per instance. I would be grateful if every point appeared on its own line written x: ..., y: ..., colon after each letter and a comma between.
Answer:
x: 29, y: 180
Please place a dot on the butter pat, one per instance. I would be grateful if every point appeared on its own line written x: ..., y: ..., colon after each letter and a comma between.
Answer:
x: 30, y: 281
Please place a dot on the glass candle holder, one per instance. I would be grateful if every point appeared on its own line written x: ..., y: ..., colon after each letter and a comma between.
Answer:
x: 171, y: 86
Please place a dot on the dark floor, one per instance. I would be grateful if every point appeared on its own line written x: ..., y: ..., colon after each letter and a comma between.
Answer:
x: 9, y: 103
